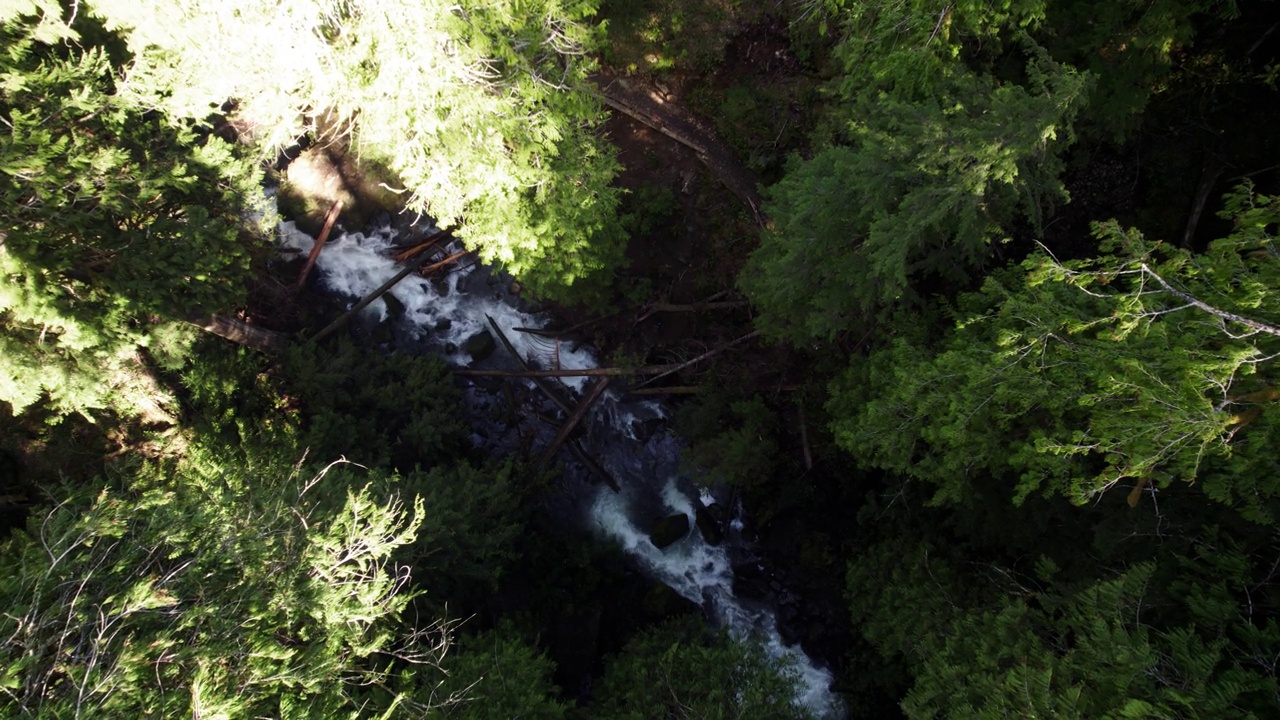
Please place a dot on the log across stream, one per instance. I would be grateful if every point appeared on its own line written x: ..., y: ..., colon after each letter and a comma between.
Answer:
x: 456, y: 316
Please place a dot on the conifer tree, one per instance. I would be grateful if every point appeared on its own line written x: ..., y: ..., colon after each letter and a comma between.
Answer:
x: 225, y: 585
x: 1146, y: 365
x: 110, y: 218
x: 930, y: 159
x: 684, y: 670
x: 485, y: 110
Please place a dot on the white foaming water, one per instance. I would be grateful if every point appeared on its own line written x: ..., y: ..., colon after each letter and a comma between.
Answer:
x: 354, y: 264
x: 703, y: 574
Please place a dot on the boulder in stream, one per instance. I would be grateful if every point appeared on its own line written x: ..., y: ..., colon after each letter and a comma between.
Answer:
x: 668, y: 530
x: 395, y: 308
x: 709, y: 523
x: 479, y: 346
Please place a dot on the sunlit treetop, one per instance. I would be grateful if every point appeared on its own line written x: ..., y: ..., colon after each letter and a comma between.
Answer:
x: 485, y: 110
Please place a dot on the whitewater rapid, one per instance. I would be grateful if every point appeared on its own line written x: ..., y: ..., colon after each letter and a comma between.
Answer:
x: 444, y: 313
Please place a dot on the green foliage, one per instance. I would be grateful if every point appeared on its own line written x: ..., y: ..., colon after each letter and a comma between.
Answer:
x: 485, y: 110
x: 1148, y: 363
x: 472, y: 532
x: 731, y: 441
x: 666, y: 37
x: 109, y: 218
x: 229, y: 392
x: 684, y: 670
x: 931, y: 161
x: 381, y: 410
x: 1172, y: 623
x: 759, y: 119
x: 222, y: 586
x: 1089, y: 651
x: 1129, y: 46
x: 498, y: 676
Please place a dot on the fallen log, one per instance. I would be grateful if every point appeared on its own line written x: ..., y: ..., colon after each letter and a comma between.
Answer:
x: 572, y: 329
x: 552, y: 395
x: 584, y: 372
x: 696, y: 360
x: 414, y: 250
x: 571, y: 422
x: 242, y: 333
x: 425, y: 271
x: 1208, y: 179
x: 582, y: 455
x: 804, y: 437
x: 594, y: 467
x: 699, y: 307
x: 382, y: 290
x: 705, y: 306
x: 673, y: 390
x: 319, y: 245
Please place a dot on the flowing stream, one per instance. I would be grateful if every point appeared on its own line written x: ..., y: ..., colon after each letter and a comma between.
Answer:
x: 449, y: 316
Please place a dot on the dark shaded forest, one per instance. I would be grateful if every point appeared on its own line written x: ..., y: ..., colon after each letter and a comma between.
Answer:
x: 967, y: 305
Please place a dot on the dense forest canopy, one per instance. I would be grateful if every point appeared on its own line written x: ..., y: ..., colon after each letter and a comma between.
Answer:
x: 1004, y: 420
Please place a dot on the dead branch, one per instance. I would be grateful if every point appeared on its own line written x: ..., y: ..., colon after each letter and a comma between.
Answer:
x: 698, y: 359
x: 1223, y: 314
x: 584, y: 372
x: 414, y: 250
x: 382, y: 290
x: 238, y: 331
x: 571, y: 422
x: 319, y: 245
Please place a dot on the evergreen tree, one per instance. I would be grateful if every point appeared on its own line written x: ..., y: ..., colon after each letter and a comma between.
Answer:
x: 224, y: 585
x: 931, y: 161
x: 497, y: 676
x: 485, y: 110
x: 685, y: 670
x: 1041, y: 646
x: 376, y: 409
x: 1148, y: 364
x: 110, y: 218
x: 1130, y: 47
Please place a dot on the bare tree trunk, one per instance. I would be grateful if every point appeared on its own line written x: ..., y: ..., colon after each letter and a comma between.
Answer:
x: 584, y: 372
x: 698, y: 359
x: 319, y: 245
x: 242, y: 333
x: 571, y: 422
x: 382, y: 290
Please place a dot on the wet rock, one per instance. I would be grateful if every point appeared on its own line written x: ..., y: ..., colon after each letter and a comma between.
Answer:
x: 645, y: 429
x: 382, y: 333
x: 750, y: 580
x: 787, y: 614
x: 711, y: 529
x: 662, y: 602
x: 480, y: 346
x: 395, y: 308
x: 443, y: 325
x: 668, y: 530
x: 441, y: 286
x: 450, y: 348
